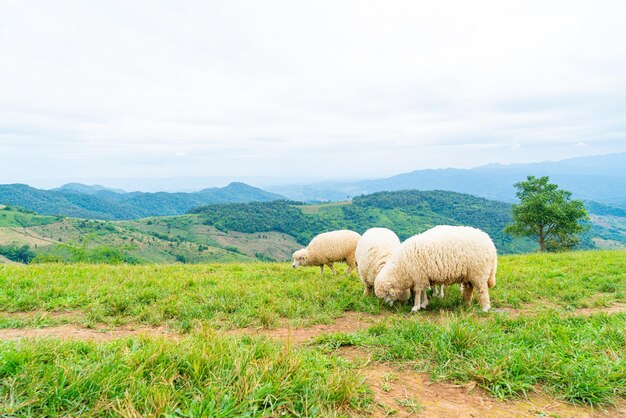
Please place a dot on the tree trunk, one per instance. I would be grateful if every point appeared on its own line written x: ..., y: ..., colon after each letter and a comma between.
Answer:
x: 542, y: 240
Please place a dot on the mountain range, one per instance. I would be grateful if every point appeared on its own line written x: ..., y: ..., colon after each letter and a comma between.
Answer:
x: 98, y: 202
x: 597, y: 178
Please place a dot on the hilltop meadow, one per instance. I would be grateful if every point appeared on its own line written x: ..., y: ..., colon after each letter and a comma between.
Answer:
x: 198, y: 315
x: 263, y: 339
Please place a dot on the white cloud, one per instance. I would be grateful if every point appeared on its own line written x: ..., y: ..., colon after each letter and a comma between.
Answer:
x: 317, y: 89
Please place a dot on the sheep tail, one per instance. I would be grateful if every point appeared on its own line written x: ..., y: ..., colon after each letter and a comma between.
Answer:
x: 492, y: 275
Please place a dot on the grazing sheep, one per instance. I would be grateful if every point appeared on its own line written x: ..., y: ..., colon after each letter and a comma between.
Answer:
x: 372, y: 251
x: 327, y: 248
x: 442, y: 255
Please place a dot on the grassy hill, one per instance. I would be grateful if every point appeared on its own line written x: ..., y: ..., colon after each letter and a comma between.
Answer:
x: 151, y: 240
x: 405, y: 212
x: 264, y: 339
x: 17, y: 217
x: 96, y: 202
x: 268, y: 230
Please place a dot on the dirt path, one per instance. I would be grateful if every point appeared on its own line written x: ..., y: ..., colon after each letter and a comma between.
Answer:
x: 398, y: 392
x: 615, y: 308
x: 72, y: 332
x: 348, y: 323
x: 33, y: 237
x: 402, y: 392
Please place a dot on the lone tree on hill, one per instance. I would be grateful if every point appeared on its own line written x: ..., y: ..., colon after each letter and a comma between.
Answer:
x: 547, y: 214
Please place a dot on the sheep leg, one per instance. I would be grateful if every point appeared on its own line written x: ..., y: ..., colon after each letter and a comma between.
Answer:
x: 351, y: 262
x: 442, y: 291
x: 418, y: 299
x: 468, y: 291
x: 332, y: 267
x: 483, y: 295
x: 424, y: 303
x: 322, y: 270
x: 367, y: 291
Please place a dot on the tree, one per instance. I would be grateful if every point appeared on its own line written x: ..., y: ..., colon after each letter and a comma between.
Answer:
x: 547, y: 214
x: 21, y: 254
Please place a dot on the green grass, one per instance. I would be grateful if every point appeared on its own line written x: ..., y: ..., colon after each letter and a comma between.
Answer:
x: 10, y: 217
x: 314, y: 209
x: 569, y: 280
x: 263, y: 294
x: 203, y: 375
x: 577, y: 359
x: 544, y: 344
x: 224, y: 295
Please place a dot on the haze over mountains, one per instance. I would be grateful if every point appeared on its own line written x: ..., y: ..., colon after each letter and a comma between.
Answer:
x: 594, y: 179
x: 240, y: 222
x: 598, y: 178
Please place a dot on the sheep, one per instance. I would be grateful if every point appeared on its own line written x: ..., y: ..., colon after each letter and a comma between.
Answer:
x: 327, y: 248
x: 372, y: 251
x: 442, y: 255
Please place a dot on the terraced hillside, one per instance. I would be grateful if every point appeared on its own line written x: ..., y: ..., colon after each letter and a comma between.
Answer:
x: 155, y: 240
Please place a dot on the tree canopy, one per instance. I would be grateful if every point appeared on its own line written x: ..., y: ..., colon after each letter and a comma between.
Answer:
x: 547, y: 214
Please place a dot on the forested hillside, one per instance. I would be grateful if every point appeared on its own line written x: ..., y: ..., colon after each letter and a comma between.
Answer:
x: 266, y: 230
x: 96, y: 202
x: 405, y: 212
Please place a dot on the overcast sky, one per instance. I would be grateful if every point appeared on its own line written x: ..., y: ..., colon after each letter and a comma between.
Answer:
x: 313, y: 89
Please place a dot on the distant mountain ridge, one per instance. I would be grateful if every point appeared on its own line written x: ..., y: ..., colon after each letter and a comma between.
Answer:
x: 98, y: 202
x: 599, y: 178
x: 86, y: 189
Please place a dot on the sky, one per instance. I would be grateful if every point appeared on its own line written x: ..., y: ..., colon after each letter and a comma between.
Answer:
x: 312, y: 90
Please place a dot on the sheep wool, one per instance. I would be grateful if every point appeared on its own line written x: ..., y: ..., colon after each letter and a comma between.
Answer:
x: 372, y: 252
x: 327, y: 248
x: 443, y: 255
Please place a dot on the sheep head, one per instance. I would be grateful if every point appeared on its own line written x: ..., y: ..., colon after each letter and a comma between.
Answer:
x: 383, y: 289
x: 300, y: 257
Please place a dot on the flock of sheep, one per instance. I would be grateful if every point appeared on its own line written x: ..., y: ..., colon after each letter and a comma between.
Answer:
x: 441, y: 256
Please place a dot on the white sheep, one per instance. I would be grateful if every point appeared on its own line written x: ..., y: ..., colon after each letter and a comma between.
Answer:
x: 442, y: 255
x: 372, y: 251
x: 327, y: 248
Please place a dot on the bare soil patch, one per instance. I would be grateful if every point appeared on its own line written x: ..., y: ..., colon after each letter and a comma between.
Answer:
x: 72, y: 332
x: 402, y: 392
x: 22, y: 236
x: 398, y: 391
x: 349, y: 322
x: 615, y: 308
